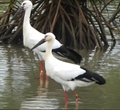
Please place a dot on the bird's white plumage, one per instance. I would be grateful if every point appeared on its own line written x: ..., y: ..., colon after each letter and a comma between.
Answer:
x: 67, y: 74
x: 62, y: 72
x: 63, y: 69
x: 31, y: 36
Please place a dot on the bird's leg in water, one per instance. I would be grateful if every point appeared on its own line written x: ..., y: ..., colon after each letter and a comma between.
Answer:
x: 77, y: 96
x: 41, y: 69
x: 41, y: 73
x: 47, y: 81
x: 66, y: 96
x: 66, y: 99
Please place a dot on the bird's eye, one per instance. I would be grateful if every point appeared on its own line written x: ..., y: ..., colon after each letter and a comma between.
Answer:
x: 24, y: 4
x: 45, y: 36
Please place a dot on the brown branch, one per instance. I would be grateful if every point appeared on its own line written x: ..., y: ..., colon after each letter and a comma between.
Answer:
x: 56, y: 14
x: 114, y: 15
x: 106, y: 5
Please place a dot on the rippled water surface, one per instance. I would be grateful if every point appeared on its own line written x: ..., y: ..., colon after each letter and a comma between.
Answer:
x: 21, y: 88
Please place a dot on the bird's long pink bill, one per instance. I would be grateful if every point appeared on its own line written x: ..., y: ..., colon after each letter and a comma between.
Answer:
x: 39, y: 43
x: 18, y: 12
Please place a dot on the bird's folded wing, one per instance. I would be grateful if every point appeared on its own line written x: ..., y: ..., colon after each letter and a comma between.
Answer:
x: 68, y: 73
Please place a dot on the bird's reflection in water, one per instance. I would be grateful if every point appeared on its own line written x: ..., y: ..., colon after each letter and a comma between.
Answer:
x: 72, y: 105
x: 47, y: 100
x: 42, y: 101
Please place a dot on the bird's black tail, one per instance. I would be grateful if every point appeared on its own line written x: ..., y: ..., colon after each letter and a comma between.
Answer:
x: 89, y: 76
x: 99, y: 79
x: 69, y: 53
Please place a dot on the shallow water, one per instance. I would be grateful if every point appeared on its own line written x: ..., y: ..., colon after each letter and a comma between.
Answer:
x: 21, y: 88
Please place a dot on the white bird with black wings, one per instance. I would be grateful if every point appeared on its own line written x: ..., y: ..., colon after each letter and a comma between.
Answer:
x: 67, y: 74
x: 31, y: 36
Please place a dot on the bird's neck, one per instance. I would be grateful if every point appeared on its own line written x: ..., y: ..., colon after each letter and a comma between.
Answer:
x: 26, y: 21
x: 49, y: 50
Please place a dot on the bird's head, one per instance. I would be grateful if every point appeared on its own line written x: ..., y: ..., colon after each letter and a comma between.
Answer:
x: 49, y: 37
x: 26, y: 4
x: 23, y: 7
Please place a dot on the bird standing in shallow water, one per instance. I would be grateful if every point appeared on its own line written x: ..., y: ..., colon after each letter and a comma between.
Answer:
x: 67, y: 74
x: 31, y: 37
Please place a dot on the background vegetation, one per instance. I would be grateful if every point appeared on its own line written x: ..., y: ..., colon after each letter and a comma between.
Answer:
x: 76, y: 23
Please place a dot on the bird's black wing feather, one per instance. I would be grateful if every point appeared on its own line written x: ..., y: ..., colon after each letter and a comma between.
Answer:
x: 89, y: 76
x: 69, y: 53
